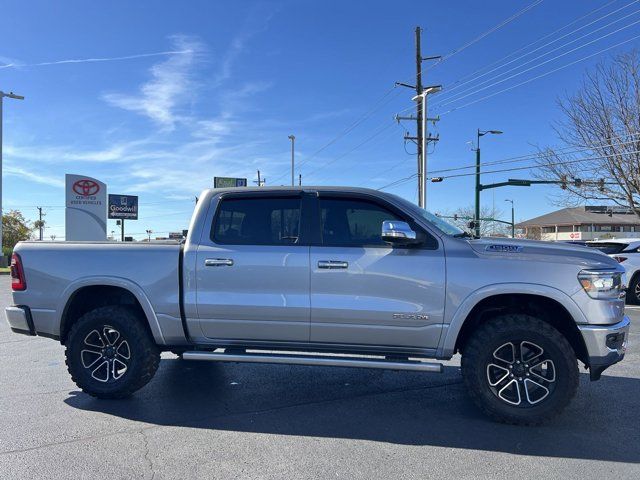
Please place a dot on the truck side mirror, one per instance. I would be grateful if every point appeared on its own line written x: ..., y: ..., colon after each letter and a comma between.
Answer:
x: 398, y: 233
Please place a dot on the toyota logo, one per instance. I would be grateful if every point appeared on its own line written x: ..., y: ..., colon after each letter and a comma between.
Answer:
x: 86, y: 187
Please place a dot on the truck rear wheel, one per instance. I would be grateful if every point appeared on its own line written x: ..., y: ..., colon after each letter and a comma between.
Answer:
x: 110, y: 354
x: 519, y: 369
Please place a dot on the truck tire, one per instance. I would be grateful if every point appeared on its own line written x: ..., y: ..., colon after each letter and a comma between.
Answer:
x: 519, y: 369
x: 110, y: 353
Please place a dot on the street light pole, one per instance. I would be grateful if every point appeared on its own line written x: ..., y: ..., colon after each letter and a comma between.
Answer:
x: 513, y: 223
x: 293, y: 142
x: 15, y: 97
x: 480, y: 133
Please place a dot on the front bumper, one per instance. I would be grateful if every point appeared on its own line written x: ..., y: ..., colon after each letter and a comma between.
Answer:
x: 20, y: 320
x: 606, y: 345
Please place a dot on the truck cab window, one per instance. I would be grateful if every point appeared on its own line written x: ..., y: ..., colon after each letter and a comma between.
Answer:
x: 257, y: 221
x: 353, y: 223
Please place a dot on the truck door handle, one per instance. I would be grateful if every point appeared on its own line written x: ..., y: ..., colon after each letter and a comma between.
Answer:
x: 218, y: 262
x: 332, y: 264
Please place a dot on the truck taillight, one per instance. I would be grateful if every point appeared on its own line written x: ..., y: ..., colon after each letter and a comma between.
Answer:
x: 18, y: 282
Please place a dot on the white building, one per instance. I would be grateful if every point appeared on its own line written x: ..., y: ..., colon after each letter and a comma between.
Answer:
x: 584, y: 223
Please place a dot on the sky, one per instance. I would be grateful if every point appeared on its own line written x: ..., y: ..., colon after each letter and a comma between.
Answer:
x: 157, y: 98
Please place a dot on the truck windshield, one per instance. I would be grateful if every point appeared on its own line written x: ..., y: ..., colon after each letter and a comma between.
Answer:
x: 439, y: 223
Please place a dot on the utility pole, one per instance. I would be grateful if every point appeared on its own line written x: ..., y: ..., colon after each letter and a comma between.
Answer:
x: 419, y: 120
x: 261, y: 181
x: 149, y: 232
x: 293, y: 142
x: 40, y: 222
x: 300, y: 180
x: 421, y: 139
x: 15, y: 97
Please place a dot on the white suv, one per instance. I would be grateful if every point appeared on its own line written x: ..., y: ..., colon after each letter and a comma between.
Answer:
x: 627, y: 252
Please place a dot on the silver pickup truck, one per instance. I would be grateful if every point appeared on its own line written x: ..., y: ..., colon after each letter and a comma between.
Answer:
x: 333, y: 277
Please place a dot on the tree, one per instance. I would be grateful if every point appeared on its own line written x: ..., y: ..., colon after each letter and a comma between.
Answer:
x: 15, y: 228
x: 600, y: 134
x: 533, y: 233
x: 487, y: 228
x: 39, y: 225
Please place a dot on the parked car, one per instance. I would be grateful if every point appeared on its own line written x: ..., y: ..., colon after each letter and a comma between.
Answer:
x: 333, y: 277
x: 625, y: 251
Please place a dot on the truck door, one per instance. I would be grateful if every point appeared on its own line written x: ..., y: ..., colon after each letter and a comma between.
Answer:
x: 365, y: 292
x: 252, y: 270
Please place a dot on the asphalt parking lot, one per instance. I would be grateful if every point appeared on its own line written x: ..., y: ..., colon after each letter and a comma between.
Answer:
x: 200, y: 420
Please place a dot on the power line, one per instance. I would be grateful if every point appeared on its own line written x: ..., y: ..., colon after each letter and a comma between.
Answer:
x: 398, y: 182
x: 527, y: 167
x: 378, y: 104
x: 541, y: 75
x: 368, y: 139
x: 447, y: 102
x: 460, y: 82
x: 458, y: 96
x: 322, y: 178
x: 530, y: 167
x: 533, y: 156
x: 490, y: 31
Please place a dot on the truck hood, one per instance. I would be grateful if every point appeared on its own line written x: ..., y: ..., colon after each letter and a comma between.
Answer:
x: 544, y: 251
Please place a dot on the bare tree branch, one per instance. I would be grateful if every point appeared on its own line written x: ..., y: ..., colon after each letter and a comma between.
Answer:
x: 603, y: 116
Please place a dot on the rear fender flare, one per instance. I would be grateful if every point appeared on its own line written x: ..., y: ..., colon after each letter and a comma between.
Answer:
x: 123, y: 283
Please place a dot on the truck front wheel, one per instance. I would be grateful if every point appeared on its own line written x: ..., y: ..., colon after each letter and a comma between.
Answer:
x: 519, y: 369
x: 110, y: 354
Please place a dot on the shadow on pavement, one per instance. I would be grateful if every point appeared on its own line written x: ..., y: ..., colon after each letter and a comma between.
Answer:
x: 383, y: 406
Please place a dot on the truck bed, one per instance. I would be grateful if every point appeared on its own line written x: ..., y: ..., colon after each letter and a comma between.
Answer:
x: 57, y: 269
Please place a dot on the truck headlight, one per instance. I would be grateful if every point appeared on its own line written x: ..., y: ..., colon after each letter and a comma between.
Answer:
x: 602, y: 284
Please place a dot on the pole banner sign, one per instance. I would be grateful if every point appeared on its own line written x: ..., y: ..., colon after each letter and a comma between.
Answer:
x: 123, y: 207
x: 86, y: 208
x: 228, y: 182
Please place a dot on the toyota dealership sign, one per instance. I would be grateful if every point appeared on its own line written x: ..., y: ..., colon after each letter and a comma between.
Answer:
x: 86, y: 208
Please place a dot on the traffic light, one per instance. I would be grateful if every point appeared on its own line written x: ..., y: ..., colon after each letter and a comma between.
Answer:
x: 601, y: 184
x: 455, y: 217
x: 577, y: 182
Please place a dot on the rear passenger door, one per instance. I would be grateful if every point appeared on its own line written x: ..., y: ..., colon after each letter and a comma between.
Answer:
x: 253, y: 270
x: 365, y: 292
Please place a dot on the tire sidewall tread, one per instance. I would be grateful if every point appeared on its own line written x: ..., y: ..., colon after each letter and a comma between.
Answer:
x: 145, y: 353
x: 487, y: 338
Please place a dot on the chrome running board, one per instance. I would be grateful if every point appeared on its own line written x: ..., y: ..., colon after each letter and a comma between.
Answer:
x: 315, y: 360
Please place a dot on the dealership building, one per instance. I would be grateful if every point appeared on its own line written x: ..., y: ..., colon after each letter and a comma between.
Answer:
x: 584, y: 223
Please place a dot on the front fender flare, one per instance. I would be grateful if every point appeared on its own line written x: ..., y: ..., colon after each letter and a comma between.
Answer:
x: 452, y: 329
x: 110, y: 281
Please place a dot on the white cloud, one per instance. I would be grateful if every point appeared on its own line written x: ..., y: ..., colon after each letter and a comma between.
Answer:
x: 50, y: 180
x: 170, y: 84
x: 12, y: 63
